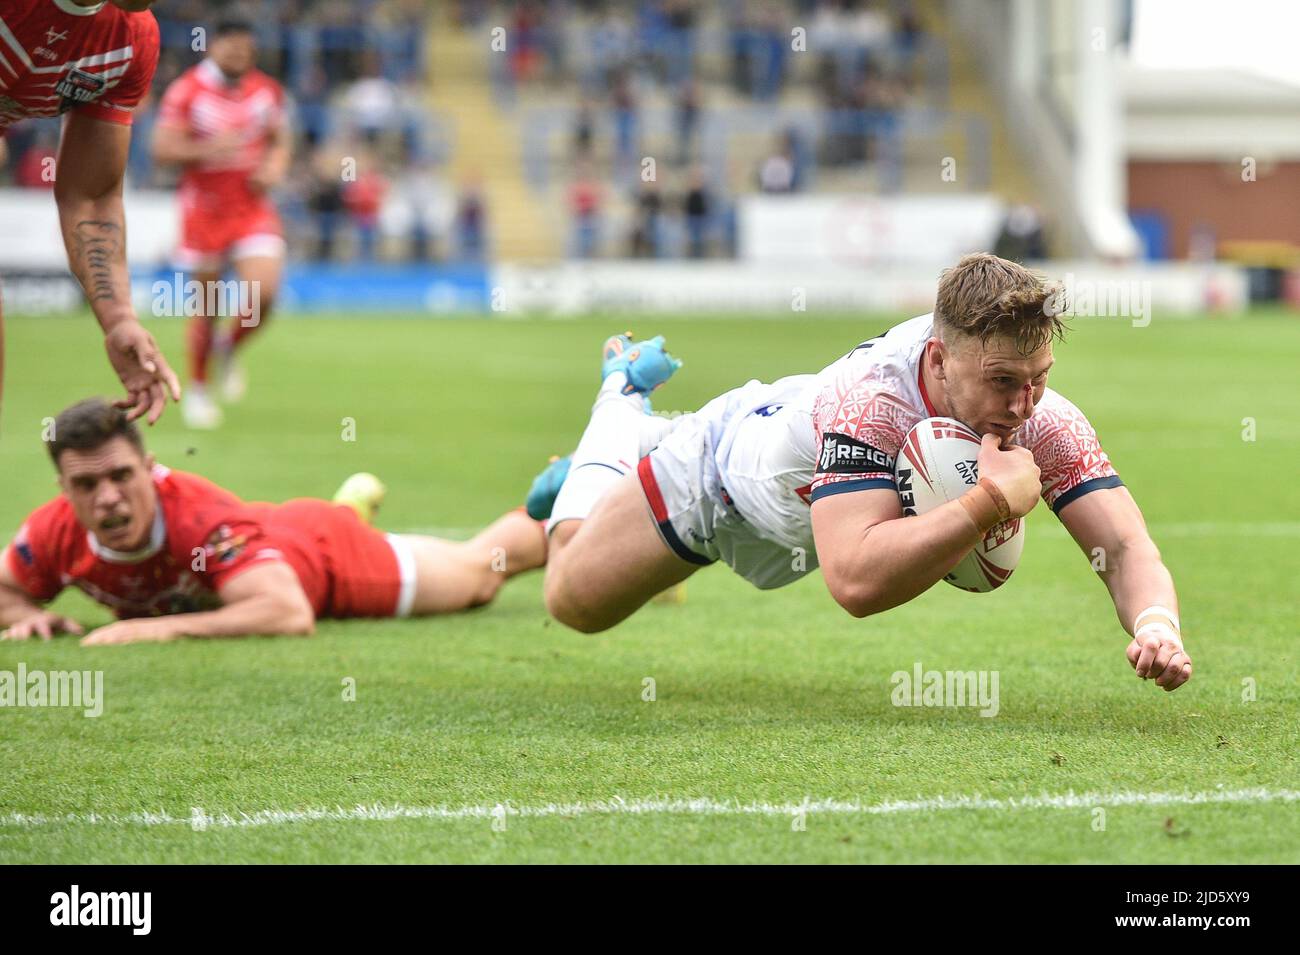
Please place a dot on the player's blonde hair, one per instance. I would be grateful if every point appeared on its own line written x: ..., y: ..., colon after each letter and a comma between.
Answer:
x: 986, y: 297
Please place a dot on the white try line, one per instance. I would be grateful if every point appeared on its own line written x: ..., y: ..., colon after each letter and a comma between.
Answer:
x: 201, y: 819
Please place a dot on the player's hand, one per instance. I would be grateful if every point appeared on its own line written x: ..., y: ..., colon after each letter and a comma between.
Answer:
x: 43, y: 624
x: 1014, y: 472
x: 1159, y: 655
x: 143, y: 370
x: 223, y: 147
x: 265, y: 178
x: 143, y: 630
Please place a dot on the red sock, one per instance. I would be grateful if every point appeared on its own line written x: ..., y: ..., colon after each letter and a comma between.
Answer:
x: 198, y: 334
x: 239, y: 331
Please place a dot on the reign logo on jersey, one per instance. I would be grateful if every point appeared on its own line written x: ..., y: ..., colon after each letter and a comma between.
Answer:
x: 844, y: 455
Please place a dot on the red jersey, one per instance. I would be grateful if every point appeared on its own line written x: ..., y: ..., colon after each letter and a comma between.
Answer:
x: 56, y: 56
x: 202, y: 103
x: 203, y: 537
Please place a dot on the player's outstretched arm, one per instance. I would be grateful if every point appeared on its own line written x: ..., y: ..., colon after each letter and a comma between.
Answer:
x: 1109, y: 528
x: 873, y: 558
x: 88, y: 192
x: 266, y: 599
x: 174, y: 146
x: 20, y: 616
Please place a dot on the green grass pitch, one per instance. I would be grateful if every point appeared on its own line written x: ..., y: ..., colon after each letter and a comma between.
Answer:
x: 764, y: 702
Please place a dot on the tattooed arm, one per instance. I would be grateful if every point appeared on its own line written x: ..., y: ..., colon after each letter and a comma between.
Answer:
x: 88, y: 191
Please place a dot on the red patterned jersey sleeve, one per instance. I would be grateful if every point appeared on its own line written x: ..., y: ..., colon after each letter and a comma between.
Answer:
x: 118, y: 103
x: 33, y: 554
x: 1067, y: 452
x: 859, y: 426
x: 212, y: 531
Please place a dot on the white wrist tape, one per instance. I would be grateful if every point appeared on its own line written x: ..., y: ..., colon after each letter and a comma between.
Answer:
x: 1157, y: 611
x: 1158, y: 626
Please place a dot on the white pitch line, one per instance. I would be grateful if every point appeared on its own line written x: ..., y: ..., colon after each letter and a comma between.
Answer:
x: 201, y: 819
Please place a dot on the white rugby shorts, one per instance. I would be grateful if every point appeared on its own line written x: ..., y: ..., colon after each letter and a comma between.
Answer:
x: 696, y: 516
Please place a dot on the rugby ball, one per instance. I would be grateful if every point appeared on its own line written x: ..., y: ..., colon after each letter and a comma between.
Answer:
x: 937, y: 464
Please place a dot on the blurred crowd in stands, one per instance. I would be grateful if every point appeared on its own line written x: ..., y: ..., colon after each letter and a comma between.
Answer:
x: 675, y: 80
x: 365, y: 148
x: 661, y: 78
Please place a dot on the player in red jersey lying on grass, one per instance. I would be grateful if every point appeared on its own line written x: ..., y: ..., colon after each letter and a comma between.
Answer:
x: 804, y: 466
x: 92, y: 62
x: 173, y: 555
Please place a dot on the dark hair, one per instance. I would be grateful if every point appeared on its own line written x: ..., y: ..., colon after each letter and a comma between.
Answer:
x: 986, y: 297
x: 90, y: 424
x: 232, y: 23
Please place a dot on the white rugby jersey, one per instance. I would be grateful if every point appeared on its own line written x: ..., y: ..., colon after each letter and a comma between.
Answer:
x: 783, y: 446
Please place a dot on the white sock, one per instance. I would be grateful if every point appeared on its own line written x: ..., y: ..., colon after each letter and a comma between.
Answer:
x: 654, y: 429
x: 608, y: 450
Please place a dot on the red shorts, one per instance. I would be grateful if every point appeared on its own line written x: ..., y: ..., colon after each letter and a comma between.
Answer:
x: 353, y: 570
x: 210, y: 239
